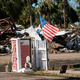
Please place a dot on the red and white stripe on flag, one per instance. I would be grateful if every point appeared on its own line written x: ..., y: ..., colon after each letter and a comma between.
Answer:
x: 50, y: 31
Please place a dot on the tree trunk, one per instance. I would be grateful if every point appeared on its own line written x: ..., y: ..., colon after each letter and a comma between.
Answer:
x: 30, y: 12
x: 49, y: 18
x: 64, y: 13
x: 60, y: 25
x: 67, y: 25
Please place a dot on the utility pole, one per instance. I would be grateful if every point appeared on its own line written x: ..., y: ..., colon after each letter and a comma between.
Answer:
x: 30, y: 12
x: 64, y: 13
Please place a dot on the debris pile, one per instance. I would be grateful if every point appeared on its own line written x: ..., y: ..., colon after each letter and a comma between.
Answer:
x: 68, y: 42
x: 64, y: 41
x: 7, y: 30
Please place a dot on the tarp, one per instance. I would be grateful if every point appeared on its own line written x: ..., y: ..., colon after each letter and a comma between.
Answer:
x: 39, y: 30
x: 35, y: 32
x: 62, y: 33
x: 19, y: 26
x: 31, y: 31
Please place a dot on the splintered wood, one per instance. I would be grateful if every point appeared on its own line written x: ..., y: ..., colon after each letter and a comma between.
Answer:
x: 7, y: 29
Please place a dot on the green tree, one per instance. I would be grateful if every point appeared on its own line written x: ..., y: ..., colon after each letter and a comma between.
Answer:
x: 78, y: 10
x: 13, y: 8
x: 16, y: 9
x: 70, y: 13
x: 78, y: 1
x: 60, y: 12
x: 24, y: 18
x: 2, y: 14
x: 29, y: 3
x: 47, y: 9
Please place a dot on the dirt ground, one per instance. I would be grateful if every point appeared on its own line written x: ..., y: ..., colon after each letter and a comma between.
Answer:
x: 5, y: 58
x: 20, y: 76
x: 55, y: 60
x: 65, y: 56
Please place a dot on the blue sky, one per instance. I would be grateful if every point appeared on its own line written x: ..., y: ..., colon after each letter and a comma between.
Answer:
x: 71, y: 2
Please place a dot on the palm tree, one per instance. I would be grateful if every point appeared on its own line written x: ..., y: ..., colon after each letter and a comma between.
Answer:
x: 78, y: 10
x: 24, y: 18
x: 67, y: 11
x: 78, y: 1
x: 47, y: 9
x: 29, y: 3
x: 13, y: 8
x: 58, y: 2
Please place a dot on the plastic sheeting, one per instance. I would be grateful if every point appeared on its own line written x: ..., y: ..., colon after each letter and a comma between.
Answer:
x: 35, y: 32
x: 31, y: 31
x: 62, y: 33
x: 39, y: 30
x: 19, y: 26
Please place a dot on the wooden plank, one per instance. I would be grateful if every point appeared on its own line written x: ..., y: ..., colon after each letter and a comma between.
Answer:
x: 5, y: 30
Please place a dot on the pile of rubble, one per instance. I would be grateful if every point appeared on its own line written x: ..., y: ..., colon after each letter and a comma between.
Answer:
x: 69, y: 42
x: 64, y: 41
x: 7, y: 30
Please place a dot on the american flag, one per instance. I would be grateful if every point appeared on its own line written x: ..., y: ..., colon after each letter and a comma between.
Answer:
x: 49, y: 30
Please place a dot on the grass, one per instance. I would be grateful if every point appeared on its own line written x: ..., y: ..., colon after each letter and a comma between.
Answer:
x: 41, y: 72
x: 53, y: 75
x: 39, y: 69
